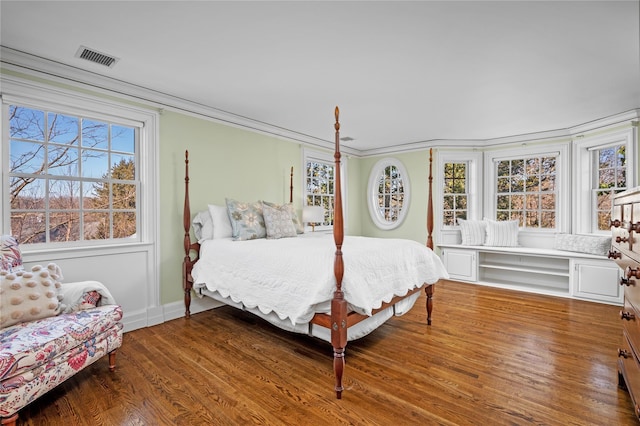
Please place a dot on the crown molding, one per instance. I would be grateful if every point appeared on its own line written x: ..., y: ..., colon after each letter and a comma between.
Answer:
x: 612, y: 120
x: 39, y: 67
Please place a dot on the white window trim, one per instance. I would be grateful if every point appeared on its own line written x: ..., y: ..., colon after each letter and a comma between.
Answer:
x: 326, y: 157
x: 583, y: 172
x: 563, y: 184
x: 449, y: 234
x: 33, y: 94
x: 372, y: 193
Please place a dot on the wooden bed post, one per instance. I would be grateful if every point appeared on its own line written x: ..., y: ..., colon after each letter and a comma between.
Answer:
x: 338, y: 303
x: 187, y: 262
x: 430, y: 288
x: 291, y: 186
x: 430, y: 203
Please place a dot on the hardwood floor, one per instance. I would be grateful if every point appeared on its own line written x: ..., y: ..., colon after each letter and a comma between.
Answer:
x: 491, y: 357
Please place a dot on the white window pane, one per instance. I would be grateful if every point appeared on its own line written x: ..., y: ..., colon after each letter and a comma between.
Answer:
x: 26, y: 157
x: 123, y: 139
x: 63, y: 129
x: 95, y: 164
x: 26, y: 123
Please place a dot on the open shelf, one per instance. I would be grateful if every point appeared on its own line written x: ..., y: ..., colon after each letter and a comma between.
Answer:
x: 525, y: 270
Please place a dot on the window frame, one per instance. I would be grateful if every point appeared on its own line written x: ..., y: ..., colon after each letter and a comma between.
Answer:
x: 585, y: 169
x: 326, y: 158
x: 563, y: 206
x: 373, y: 193
x: 450, y: 234
x: 474, y: 164
x: 43, y: 97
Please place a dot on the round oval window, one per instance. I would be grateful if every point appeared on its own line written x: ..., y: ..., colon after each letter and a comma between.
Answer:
x: 388, y: 193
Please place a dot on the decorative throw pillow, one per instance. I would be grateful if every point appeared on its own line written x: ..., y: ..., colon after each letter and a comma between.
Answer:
x: 10, y: 255
x: 591, y: 244
x: 89, y: 300
x: 247, y: 222
x: 473, y: 232
x: 28, y: 296
x: 203, y: 226
x: 278, y: 222
x: 292, y: 211
x: 221, y: 224
x: 502, y: 233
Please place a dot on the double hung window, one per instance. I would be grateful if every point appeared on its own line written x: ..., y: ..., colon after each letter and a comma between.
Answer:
x: 320, y: 184
x: 526, y: 191
x: 609, y: 178
x: 71, y: 177
x: 455, y: 192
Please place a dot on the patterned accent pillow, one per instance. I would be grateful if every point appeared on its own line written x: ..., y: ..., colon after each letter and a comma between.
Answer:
x: 473, y: 232
x: 591, y: 244
x: 292, y: 211
x: 10, y: 255
x: 247, y: 222
x: 28, y: 296
x: 278, y: 222
x: 502, y: 233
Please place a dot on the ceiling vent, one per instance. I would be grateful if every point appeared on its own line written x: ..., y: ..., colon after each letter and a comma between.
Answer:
x: 347, y: 139
x: 96, y: 57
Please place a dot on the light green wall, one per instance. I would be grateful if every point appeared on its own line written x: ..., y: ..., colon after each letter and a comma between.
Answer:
x: 224, y: 162
x: 414, y: 226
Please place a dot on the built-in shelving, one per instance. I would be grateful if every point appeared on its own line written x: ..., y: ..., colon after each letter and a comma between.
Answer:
x: 552, y: 272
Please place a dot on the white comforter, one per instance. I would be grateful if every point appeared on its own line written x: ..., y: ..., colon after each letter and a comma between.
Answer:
x: 292, y: 276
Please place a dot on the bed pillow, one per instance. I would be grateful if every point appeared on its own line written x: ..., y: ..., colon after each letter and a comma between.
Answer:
x: 247, y: 222
x: 10, y: 255
x: 29, y: 295
x: 203, y: 226
x: 297, y: 223
x: 472, y: 231
x: 221, y: 223
x: 591, y: 244
x: 278, y: 222
x: 501, y: 233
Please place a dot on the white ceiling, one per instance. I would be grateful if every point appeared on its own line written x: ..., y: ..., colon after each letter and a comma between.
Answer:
x: 401, y: 72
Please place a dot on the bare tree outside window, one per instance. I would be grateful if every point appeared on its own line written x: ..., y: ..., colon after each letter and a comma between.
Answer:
x: 71, y: 178
x: 611, y: 178
x: 455, y: 193
x: 320, y: 187
x: 526, y: 191
x: 390, y: 193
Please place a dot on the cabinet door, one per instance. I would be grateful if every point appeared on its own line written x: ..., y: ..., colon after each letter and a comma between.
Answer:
x: 460, y: 264
x: 597, y: 280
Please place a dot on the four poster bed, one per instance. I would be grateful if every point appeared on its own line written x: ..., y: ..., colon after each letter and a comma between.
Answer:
x: 301, y: 284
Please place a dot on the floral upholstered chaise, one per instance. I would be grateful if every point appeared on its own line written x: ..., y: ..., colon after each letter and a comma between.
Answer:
x: 48, y: 330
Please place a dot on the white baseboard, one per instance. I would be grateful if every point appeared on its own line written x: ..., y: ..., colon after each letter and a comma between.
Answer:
x: 170, y: 311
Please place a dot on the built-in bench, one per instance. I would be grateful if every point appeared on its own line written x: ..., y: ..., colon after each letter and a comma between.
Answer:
x: 540, y: 270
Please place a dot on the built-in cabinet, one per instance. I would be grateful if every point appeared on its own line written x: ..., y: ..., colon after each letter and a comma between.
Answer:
x: 553, y: 272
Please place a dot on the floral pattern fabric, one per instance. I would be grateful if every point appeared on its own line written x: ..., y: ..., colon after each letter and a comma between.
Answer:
x: 247, y: 221
x: 36, y: 356
x: 10, y: 255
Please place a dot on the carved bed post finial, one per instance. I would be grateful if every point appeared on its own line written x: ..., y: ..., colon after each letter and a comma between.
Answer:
x: 338, y: 303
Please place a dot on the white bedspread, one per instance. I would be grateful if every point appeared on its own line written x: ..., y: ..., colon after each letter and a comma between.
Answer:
x: 291, y: 276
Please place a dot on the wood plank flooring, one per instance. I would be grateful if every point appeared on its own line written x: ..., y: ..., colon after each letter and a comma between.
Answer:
x: 491, y: 357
